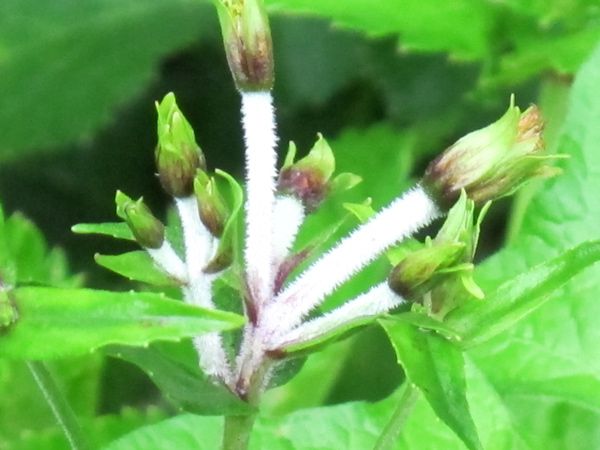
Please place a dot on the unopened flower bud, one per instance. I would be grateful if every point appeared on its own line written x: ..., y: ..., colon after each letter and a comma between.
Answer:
x: 415, y: 275
x: 178, y: 156
x: 445, y: 259
x: 248, y: 46
x: 148, y: 231
x: 491, y: 162
x: 213, y: 209
x: 308, y: 178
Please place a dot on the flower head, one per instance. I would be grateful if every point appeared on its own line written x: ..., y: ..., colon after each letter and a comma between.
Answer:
x: 148, y: 231
x: 178, y: 156
x: 248, y: 46
x: 492, y: 162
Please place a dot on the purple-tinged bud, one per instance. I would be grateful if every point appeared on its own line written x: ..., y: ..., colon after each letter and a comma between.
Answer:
x: 248, y: 45
x: 308, y: 178
x: 178, y: 156
x: 492, y: 162
x: 213, y: 210
x: 148, y: 231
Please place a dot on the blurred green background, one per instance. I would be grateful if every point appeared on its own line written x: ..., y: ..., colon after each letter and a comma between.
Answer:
x: 389, y: 83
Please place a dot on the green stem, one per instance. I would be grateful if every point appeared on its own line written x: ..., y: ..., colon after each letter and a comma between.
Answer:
x: 59, y: 405
x: 237, y: 431
x: 389, y: 437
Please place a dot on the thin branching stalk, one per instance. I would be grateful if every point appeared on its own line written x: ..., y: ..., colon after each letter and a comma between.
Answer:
x: 403, y: 217
x: 59, y: 405
x: 166, y: 258
x: 389, y: 438
x: 199, y: 247
x: 377, y: 300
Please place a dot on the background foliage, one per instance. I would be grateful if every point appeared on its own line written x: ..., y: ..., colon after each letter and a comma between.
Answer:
x: 390, y: 83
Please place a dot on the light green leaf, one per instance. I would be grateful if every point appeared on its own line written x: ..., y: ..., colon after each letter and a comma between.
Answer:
x: 476, y: 322
x: 99, y: 430
x: 351, y: 426
x: 174, y: 368
x: 57, y: 323
x: 436, y: 367
x: 137, y: 266
x: 548, y: 362
x: 461, y: 27
x: 118, y: 230
x: 52, y: 52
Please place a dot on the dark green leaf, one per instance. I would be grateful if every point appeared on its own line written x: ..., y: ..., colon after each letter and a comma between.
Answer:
x: 437, y: 368
x: 174, y: 368
x: 47, y: 68
x: 56, y: 323
x: 137, y: 266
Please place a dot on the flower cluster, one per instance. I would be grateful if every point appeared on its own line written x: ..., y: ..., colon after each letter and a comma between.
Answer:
x: 480, y: 167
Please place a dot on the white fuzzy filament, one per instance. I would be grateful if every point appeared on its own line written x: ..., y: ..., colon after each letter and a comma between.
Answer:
x: 199, y: 248
x: 288, y: 217
x: 261, y: 158
x: 166, y: 258
x: 403, y: 217
x: 376, y: 301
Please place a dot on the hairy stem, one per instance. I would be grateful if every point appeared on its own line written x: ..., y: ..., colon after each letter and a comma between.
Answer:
x: 198, y: 251
x: 389, y: 437
x: 59, y: 405
x: 403, y: 217
x: 258, y: 119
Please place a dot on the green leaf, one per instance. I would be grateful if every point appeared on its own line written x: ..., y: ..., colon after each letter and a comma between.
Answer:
x: 100, y: 430
x: 26, y: 258
x: 113, y: 46
x: 350, y: 426
x: 174, y: 368
x: 57, y: 323
x: 548, y: 362
x: 476, y: 322
x: 437, y: 368
x: 137, y: 266
x: 118, y: 230
x: 460, y: 27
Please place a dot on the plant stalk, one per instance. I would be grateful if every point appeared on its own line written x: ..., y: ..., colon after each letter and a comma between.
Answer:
x: 389, y: 437
x: 237, y: 431
x: 59, y: 405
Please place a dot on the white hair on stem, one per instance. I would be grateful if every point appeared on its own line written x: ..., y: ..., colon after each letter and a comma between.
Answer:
x: 400, y: 219
x: 288, y: 216
x: 199, y: 248
x: 166, y: 258
x: 258, y: 119
x: 378, y: 300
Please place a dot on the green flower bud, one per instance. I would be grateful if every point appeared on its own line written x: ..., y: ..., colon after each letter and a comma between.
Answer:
x: 248, y: 46
x: 492, y: 162
x: 417, y: 273
x: 213, y: 209
x: 308, y: 178
x: 178, y: 156
x: 443, y: 261
x: 148, y: 231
